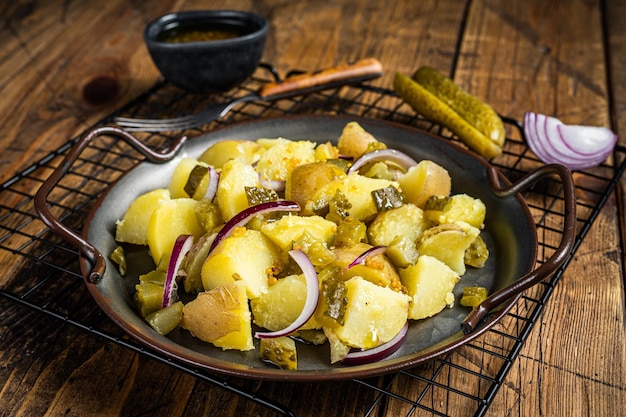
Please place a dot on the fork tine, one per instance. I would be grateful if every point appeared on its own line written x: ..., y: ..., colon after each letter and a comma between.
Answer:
x: 159, y: 127
x: 209, y: 114
x: 133, y: 122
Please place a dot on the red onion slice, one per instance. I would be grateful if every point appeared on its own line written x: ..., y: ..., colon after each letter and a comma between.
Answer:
x: 211, y: 190
x: 373, y: 251
x: 576, y: 147
x: 276, y: 185
x: 391, y: 155
x: 312, y: 296
x: 244, y: 216
x: 379, y: 352
x: 182, y: 245
x: 591, y: 141
x: 537, y: 144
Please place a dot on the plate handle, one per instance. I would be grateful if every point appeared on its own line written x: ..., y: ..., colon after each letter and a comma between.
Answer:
x: 558, y: 257
x: 98, y: 264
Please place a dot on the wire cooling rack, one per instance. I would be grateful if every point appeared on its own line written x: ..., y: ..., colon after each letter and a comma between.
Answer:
x: 44, y: 272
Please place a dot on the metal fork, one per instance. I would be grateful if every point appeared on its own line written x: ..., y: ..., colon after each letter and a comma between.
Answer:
x: 362, y: 70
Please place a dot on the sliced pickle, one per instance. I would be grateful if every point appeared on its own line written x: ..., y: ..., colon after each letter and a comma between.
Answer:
x: 350, y: 232
x: 473, y: 296
x: 148, y: 297
x: 333, y: 295
x: 166, y: 319
x: 258, y: 195
x: 477, y: 253
x: 387, y: 198
x: 119, y: 258
x: 402, y: 252
x: 281, y: 351
x: 198, y: 182
x: 208, y: 214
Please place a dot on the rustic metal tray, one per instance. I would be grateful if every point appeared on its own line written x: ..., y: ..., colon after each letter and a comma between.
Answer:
x: 48, y: 268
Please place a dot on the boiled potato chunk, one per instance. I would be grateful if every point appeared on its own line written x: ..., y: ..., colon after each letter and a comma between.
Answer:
x: 448, y: 243
x: 405, y: 221
x: 288, y: 229
x: 373, y: 316
x: 281, y: 304
x: 181, y: 176
x: 245, y: 151
x: 169, y: 220
x: 282, y: 156
x: 247, y: 255
x: 231, y: 190
x: 429, y: 283
x: 305, y: 180
x: 355, y: 141
x: 459, y: 207
x: 338, y: 349
x: 133, y: 228
x: 221, y: 316
x: 326, y: 151
x: 424, y: 180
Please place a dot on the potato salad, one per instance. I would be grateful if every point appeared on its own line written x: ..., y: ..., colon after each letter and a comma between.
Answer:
x: 338, y: 244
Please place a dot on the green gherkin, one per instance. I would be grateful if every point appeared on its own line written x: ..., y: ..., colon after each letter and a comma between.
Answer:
x: 148, y: 297
x: 469, y: 107
x: 433, y: 108
x: 166, y: 319
x: 281, y: 351
x: 473, y: 296
x: 197, y: 175
x: 119, y: 258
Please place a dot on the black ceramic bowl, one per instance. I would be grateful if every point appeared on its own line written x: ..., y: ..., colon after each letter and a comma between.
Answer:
x: 207, y: 50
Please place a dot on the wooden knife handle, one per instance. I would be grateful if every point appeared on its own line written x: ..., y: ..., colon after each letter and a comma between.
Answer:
x: 362, y: 70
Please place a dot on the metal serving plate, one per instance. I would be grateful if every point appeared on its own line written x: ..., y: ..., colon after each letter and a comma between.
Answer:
x: 509, y: 232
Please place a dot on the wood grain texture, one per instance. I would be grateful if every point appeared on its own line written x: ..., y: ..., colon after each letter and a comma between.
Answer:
x: 66, y: 64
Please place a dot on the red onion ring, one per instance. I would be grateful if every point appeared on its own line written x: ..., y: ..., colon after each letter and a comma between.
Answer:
x: 182, y: 245
x: 379, y: 352
x: 576, y: 147
x: 312, y: 296
x: 401, y: 159
x: 246, y: 215
x: 211, y: 190
x: 276, y: 185
x: 373, y: 251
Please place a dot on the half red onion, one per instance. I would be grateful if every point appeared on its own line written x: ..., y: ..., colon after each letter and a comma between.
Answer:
x: 373, y: 251
x: 380, y: 352
x: 389, y: 155
x: 182, y: 245
x: 244, y: 216
x: 576, y: 147
x: 312, y: 296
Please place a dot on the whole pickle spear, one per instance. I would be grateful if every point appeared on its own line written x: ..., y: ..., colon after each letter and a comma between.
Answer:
x: 437, y: 110
x: 479, y: 114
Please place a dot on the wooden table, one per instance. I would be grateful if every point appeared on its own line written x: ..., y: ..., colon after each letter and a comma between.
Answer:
x: 65, y: 65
